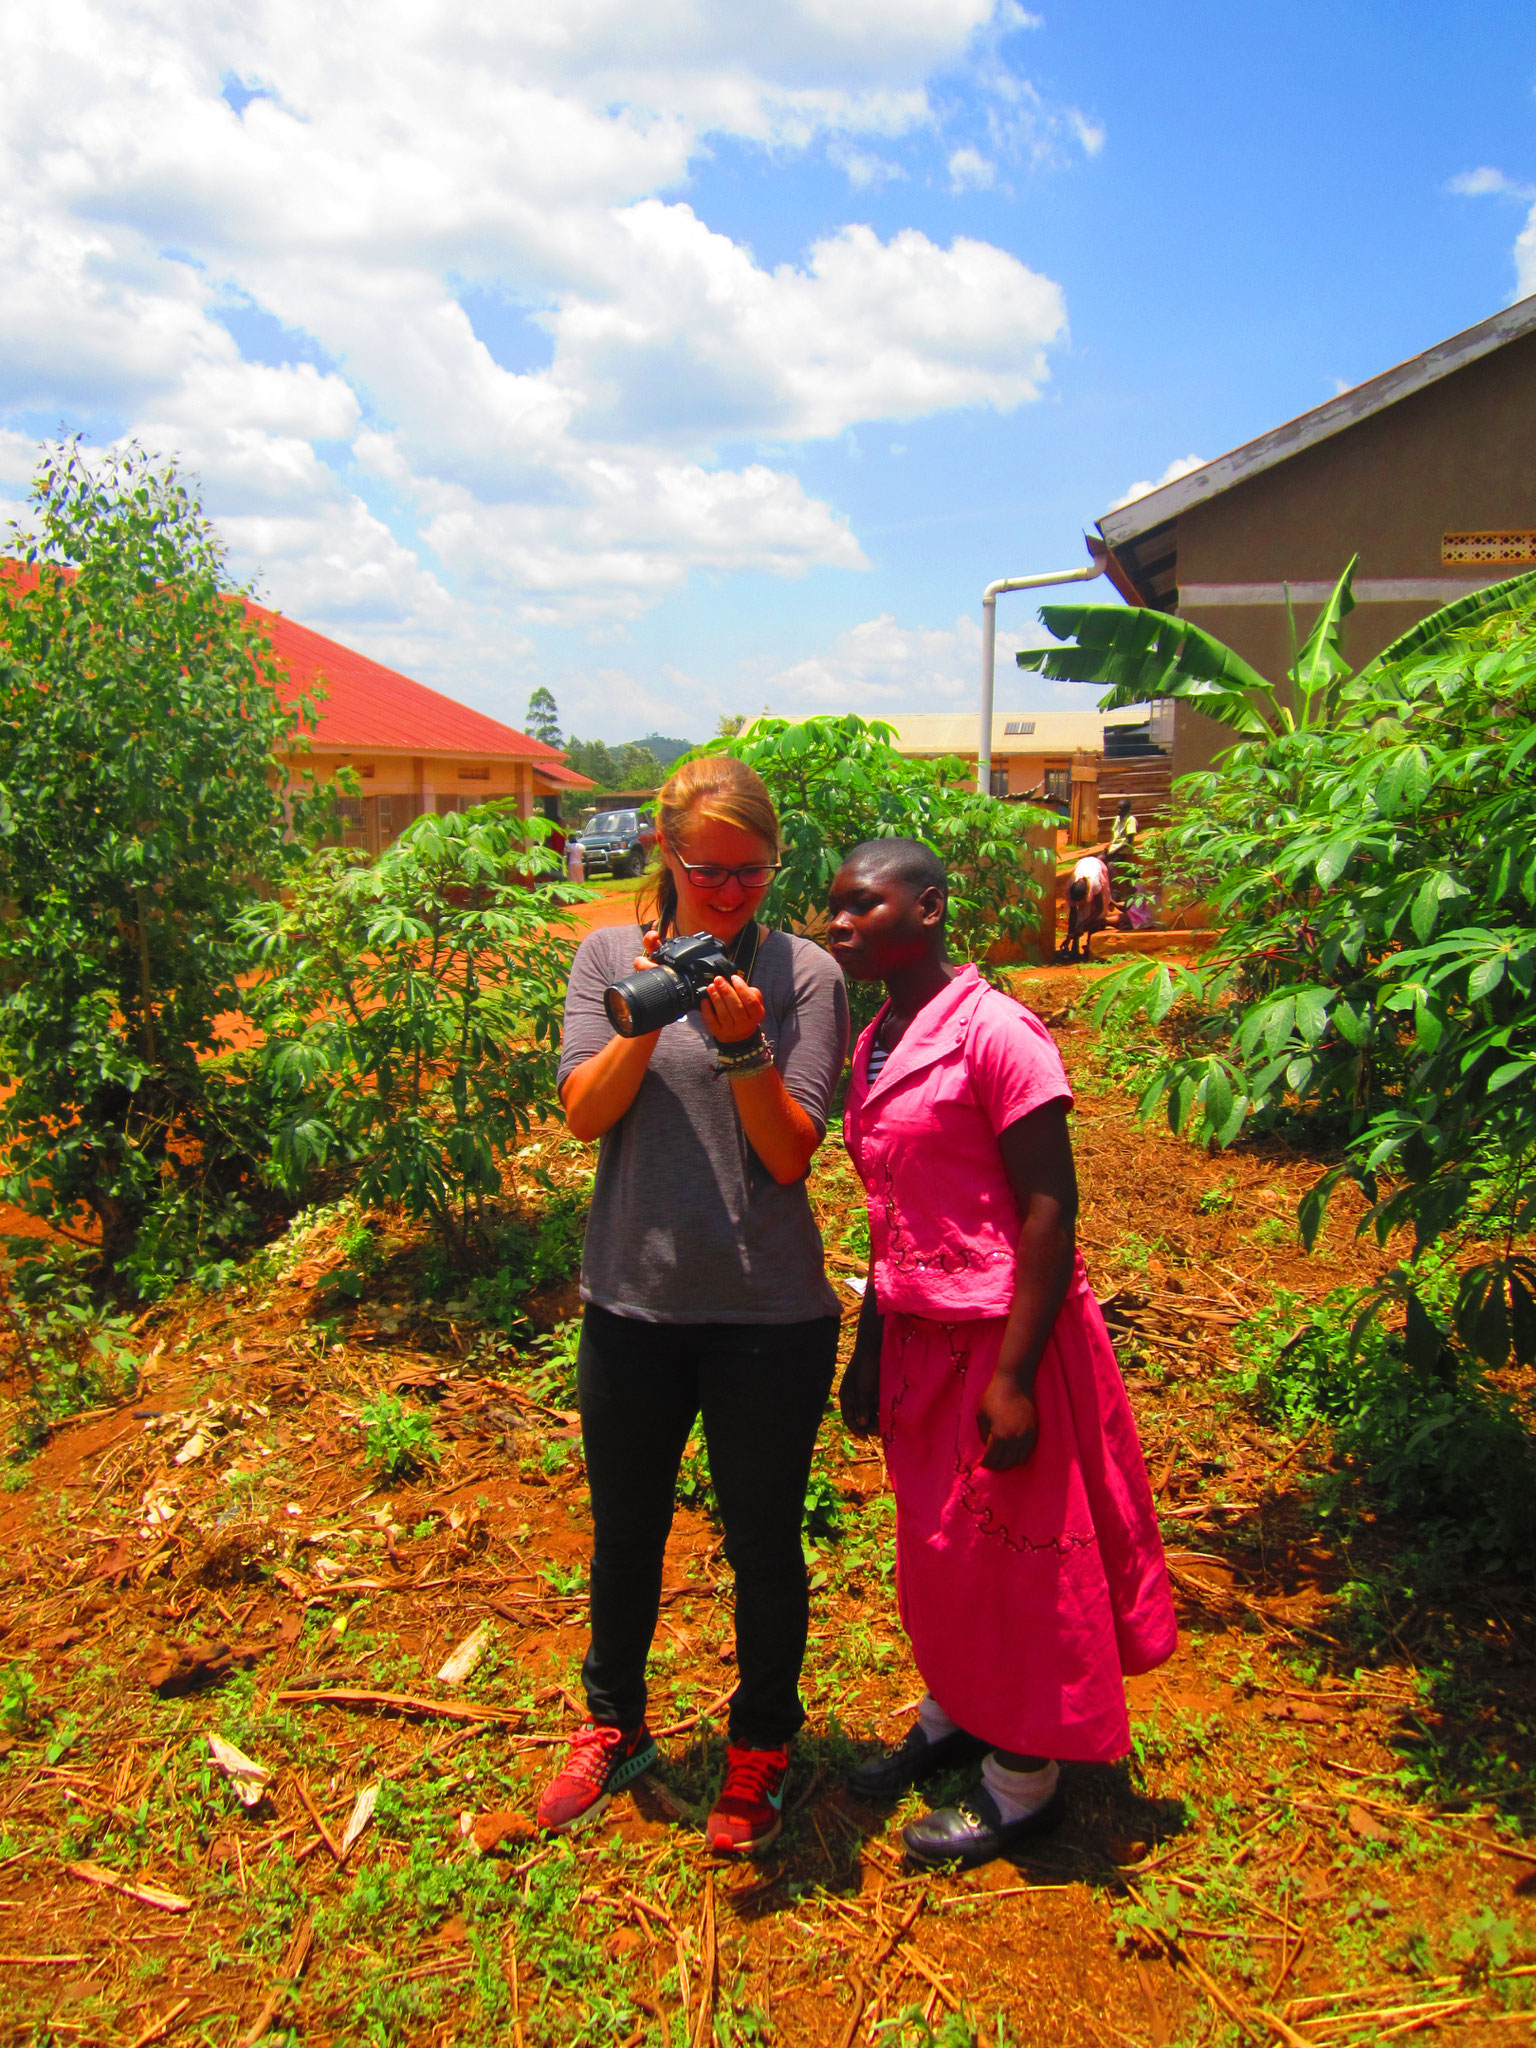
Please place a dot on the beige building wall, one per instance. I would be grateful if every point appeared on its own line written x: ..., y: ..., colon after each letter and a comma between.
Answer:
x: 397, y: 788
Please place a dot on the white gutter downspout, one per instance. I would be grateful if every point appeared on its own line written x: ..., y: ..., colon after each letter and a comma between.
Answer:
x: 989, y: 599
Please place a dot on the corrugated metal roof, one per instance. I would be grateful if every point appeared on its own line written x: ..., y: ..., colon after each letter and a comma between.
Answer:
x: 373, y: 709
x: 560, y: 777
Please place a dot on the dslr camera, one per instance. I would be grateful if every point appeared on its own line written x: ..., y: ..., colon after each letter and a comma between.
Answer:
x: 674, y: 983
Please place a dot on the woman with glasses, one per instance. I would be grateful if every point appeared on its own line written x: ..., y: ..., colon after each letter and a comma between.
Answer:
x: 705, y: 1291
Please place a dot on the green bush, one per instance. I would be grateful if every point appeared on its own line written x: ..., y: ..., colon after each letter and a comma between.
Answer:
x: 71, y: 1352
x: 412, y: 1015
x: 142, y: 808
x: 533, y: 1252
x: 1373, y: 989
x: 1443, y: 1448
x: 400, y: 1440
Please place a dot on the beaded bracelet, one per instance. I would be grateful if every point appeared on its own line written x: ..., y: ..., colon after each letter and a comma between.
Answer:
x: 750, y: 1056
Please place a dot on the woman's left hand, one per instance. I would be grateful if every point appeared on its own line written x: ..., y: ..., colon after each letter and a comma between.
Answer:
x: 1008, y: 1423
x: 732, y: 1010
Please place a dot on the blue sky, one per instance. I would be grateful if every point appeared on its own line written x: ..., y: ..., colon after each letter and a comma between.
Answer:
x: 716, y: 359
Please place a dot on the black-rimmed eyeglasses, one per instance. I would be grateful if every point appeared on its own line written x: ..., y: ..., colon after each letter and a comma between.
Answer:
x: 708, y: 874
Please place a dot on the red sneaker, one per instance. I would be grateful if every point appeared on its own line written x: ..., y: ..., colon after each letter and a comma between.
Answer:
x: 749, y: 1813
x: 599, y: 1762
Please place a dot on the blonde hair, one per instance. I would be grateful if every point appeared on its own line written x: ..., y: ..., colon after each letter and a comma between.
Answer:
x: 720, y: 787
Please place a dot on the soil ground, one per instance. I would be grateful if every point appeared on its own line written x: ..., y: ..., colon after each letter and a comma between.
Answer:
x: 1316, y: 1838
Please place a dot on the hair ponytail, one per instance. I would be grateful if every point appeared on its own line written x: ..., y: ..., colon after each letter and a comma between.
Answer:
x: 719, y: 786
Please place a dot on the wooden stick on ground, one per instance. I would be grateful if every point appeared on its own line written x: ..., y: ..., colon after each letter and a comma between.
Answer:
x: 709, y: 1959
x: 158, y: 2029
x: 510, y: 1952
x: 864, y: 1983
x: 292, y: 1970
x: 402, y: 1702
x: 682, y: 1987
x: 313, y: 1811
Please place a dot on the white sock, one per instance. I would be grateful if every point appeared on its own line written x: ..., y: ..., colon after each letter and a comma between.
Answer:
x: 1019, y: 1793
x: 933, y: 1720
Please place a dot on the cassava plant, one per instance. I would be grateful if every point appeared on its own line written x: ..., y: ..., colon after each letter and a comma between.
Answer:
x: 412, y: 1012
x: 1373, y: 986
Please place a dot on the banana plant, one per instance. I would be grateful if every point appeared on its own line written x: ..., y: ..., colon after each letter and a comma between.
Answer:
x: 1142, y: 655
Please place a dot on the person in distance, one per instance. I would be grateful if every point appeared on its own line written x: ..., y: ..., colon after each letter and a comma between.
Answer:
x: 1029, y: 1568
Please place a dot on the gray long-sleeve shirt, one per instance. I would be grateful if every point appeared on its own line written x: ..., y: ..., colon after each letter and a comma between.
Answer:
x: 687, y: 1224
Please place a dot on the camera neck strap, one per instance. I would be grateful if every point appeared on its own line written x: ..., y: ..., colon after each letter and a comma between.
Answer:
x: 736, y: 948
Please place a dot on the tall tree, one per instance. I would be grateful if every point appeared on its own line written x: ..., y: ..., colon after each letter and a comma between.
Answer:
x: 543, y: 720
x: 142, y: 808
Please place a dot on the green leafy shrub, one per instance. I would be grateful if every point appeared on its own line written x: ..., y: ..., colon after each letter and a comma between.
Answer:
x: 1374, y: 985
x: 553, y: 1380
x: 695, y: 1487
x: 531, y: 1253
x: 142, y: 808
x: 412, y: 1015
x: 400, y: 1439
x: 71, y: 1352
x: 16, y: 1696
x: 1440, y: 1445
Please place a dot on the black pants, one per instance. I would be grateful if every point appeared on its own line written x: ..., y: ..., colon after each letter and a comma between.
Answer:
x: 761, y: 1389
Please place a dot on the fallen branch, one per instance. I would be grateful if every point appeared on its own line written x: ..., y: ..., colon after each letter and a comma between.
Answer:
x: 147, y: 1894
x: 158, y: 2029
x: 292, y: 1970
x: 709, y: 1968
x: 401, y: 1702
x: 864, y: 1984
x: 313, y: 1811
x: 514, y: 1990
x: 692, y: 1720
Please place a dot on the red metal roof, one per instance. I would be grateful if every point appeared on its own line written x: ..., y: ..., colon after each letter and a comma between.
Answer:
x: 370, y: 708
x: 563, y: 777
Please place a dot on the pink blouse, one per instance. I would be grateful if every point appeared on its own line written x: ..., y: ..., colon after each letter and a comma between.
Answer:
x: 943, y: 1222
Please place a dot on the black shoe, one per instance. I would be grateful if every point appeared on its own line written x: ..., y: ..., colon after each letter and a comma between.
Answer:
x: 973, y: 1831
x: 895, y: 1770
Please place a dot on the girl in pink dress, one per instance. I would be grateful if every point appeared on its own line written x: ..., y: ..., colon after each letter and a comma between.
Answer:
x: 1030, y: 1572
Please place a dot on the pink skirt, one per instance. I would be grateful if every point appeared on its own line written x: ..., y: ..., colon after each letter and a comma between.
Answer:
x: 1029, y: 1594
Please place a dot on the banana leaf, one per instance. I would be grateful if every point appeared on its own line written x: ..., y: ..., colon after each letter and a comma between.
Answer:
x: 1144, y: 654
x: 1431, y: 633
x: 1320, y: 665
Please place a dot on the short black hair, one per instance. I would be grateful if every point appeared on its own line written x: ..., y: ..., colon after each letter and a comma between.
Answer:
x: 911, y: 861
x: 1078, y: 889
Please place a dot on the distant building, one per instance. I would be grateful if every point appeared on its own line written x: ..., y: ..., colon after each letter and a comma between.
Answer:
x: 1425, y: 472
x: 412, y: 749
x: 1032, y: 751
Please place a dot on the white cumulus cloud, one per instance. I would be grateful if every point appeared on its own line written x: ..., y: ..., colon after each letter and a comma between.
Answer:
x: 1488, y: 183
x: 1182, y: 465
x: 265, y: 239
x: 881, y: 666
x: 970, y: 171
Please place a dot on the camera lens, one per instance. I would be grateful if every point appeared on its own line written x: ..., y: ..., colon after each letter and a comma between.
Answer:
x: 646, y: 1001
